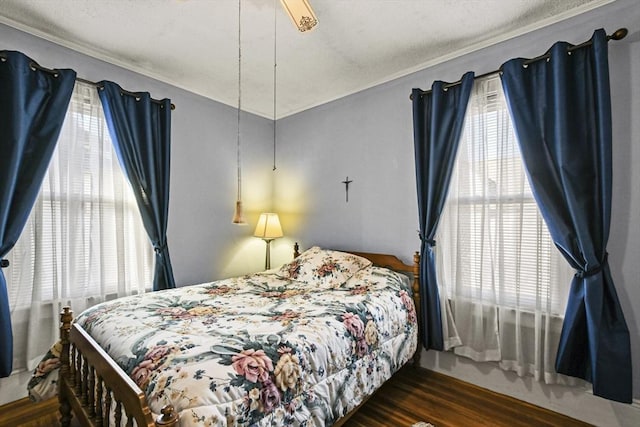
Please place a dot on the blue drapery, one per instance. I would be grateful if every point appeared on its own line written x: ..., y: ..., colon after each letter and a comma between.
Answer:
x: 141, y: 132
x: 561, y: 111
x: 438, y: 119
x: 33, y: 104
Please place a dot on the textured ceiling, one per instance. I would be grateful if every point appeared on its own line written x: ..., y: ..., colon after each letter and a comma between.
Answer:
x: 193, y: 44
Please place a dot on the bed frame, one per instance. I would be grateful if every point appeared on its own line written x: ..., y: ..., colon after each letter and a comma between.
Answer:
x: 95, y: 389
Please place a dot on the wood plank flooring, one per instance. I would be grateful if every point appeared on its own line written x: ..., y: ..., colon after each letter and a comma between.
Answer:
x: 24, y: 412
x: 416, y: 394
x: 412, y: 395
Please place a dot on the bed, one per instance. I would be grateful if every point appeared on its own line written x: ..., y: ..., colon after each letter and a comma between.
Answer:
x: 305, y: 344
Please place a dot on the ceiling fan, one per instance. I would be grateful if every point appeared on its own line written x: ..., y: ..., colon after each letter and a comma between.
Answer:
x: 301, y: 14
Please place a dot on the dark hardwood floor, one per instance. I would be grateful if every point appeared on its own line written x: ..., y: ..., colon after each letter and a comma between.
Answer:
x: 23, y: 412
x: 416, y: 394
x: 412, y: 395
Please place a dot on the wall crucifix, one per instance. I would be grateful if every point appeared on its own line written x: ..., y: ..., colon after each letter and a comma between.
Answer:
x: 346, y: 183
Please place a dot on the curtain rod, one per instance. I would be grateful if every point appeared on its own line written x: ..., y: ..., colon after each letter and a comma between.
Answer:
x: 89, y: 82
x: 617, y: 35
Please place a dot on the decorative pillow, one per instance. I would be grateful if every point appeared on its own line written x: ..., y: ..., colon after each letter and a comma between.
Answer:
x: 323, y: 268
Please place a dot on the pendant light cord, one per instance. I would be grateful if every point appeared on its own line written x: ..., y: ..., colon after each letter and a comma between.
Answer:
x: 275, y: 68
x: 239, y: 98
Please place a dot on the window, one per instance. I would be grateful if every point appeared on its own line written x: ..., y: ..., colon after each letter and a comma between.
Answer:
x: 84, y: 241
x: 496, y: 245
x: 503, y: 283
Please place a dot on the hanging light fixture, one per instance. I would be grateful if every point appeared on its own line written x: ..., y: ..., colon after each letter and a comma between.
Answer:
x: 238, y: 217
x: 301, y: 14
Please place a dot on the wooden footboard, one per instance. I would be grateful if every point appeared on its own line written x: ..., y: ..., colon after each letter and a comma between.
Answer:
x: 95, y: 389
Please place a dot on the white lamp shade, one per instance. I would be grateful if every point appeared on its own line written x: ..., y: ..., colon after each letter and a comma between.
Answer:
x: 301, y: 14
x: 268, y: 226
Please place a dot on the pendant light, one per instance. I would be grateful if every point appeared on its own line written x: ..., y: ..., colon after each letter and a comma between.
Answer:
x: 238, y: 217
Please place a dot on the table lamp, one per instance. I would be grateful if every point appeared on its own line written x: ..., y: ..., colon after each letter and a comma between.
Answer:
x: 268, y: 229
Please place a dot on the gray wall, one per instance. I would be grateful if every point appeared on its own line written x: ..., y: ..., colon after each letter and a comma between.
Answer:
x: 368, y: 136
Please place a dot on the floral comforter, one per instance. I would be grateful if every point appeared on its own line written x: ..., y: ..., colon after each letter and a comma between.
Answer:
x: 259, y: 349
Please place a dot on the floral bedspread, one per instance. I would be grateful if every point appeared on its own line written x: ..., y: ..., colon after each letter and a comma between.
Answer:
x: 259, y: 349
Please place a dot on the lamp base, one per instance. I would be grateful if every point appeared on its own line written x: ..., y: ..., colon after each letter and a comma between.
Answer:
x: 267, y: 259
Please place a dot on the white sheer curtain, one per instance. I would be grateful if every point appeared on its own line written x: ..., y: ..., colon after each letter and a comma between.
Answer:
x: 84, y: 241
x: 503, y: 283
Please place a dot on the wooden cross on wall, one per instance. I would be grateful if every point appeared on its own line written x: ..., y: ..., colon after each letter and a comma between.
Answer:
x: 346, y: 183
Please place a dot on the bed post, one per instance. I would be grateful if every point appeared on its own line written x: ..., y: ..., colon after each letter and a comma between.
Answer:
x: 416, y: 299
x: 296, y: 250
x: 168, y: 417
x: 65, y: 326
